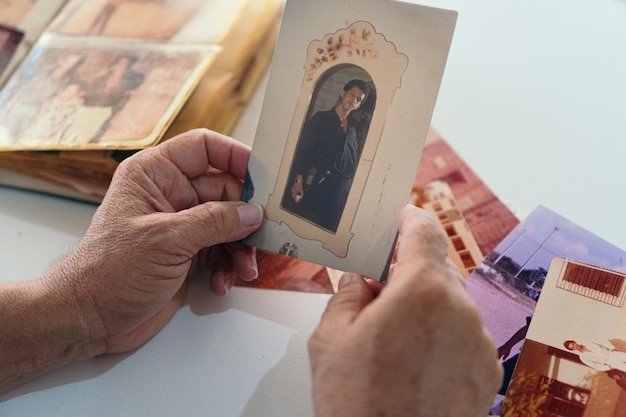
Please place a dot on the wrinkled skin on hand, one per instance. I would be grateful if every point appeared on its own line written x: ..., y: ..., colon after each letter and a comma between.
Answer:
x: 169, y: 210
x: 417, y: 347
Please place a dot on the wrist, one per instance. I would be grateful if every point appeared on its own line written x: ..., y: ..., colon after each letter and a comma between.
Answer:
x: 43, y: 329
x: 67, y: 287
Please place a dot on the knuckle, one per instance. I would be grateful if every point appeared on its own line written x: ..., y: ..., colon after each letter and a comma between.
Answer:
x: 426, y: 235
x: 318, y: 341
x: 217, y: 219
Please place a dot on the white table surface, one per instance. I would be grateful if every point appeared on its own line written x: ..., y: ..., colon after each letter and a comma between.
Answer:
x: 533, y: 98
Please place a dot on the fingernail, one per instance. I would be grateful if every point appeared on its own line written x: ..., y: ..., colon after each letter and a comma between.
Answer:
x: 255, y: 268
x: 348, y: 279
x: 250, y: 214
x: 227, y: 285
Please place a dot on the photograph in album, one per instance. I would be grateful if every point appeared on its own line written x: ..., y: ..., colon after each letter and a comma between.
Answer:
x: 166, y: 20
x: 93, y: 81
x: 74, y: 95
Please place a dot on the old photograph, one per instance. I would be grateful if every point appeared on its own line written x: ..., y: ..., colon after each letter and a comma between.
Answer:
x: 508, y: 283
x: 69, y: 96
x: 336, y: 151
x: 12, y: 12
x: 328, y: 150
x: 573, y: 363
x: 156, y: 20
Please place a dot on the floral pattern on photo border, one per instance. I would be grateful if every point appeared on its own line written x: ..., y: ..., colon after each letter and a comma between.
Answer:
x: 349, y: 41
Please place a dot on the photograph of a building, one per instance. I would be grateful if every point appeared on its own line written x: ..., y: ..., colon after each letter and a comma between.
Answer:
x: 573, y: 363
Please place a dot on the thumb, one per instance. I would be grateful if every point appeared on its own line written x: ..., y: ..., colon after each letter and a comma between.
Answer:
x: 218, y: 222
x: 347, y: 303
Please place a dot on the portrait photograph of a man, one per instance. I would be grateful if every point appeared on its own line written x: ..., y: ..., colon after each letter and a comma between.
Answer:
x: 344, y: 119
x: 329, y: 149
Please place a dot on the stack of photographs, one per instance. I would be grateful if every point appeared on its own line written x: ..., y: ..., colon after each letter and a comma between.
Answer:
x: 448, y: 188
x: 544, y: 287
x: 109, y: 77
x: 460, y: 209
x: 509, y: 285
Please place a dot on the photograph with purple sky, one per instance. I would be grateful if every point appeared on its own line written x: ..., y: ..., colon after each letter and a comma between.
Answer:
x: 507, y: 285
x: 544, y: 234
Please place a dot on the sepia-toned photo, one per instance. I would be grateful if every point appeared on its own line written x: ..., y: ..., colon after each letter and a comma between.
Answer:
x: 12, y: 12
x: 29, y: 16
x: 342, y: 129
x: 573, y: 363
x: 91, y: 97
x: 510, y: 280
x: 157, y: 20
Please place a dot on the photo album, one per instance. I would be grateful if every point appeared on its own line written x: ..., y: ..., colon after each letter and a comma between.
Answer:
x: 347, y: 109
x: 86, y: 83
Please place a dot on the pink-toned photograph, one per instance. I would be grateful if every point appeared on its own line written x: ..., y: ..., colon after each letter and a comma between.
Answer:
x: 451, y: 191
x: 280, y: 272
x: 475, y: 200
x: 13, y: 11
x: 156, y: 20
x: 111, y: 17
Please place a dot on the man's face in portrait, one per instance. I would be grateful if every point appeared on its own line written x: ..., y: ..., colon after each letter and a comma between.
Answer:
x: 352, y: 99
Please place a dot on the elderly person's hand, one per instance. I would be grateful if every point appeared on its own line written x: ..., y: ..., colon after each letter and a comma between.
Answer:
x: 418, y: 348
x: 169, y: 210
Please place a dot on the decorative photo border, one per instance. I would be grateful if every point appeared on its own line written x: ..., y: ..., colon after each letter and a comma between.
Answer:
x: 355, y: 52
x: 346, y: 113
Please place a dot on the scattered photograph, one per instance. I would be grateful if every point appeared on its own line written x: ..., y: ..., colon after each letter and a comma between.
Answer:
x: 507, y: 285
x: 451, y: 191
x: 440, y: 163
x: 69, y: 96
x: 573, y: 363
x: 280, y: 272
